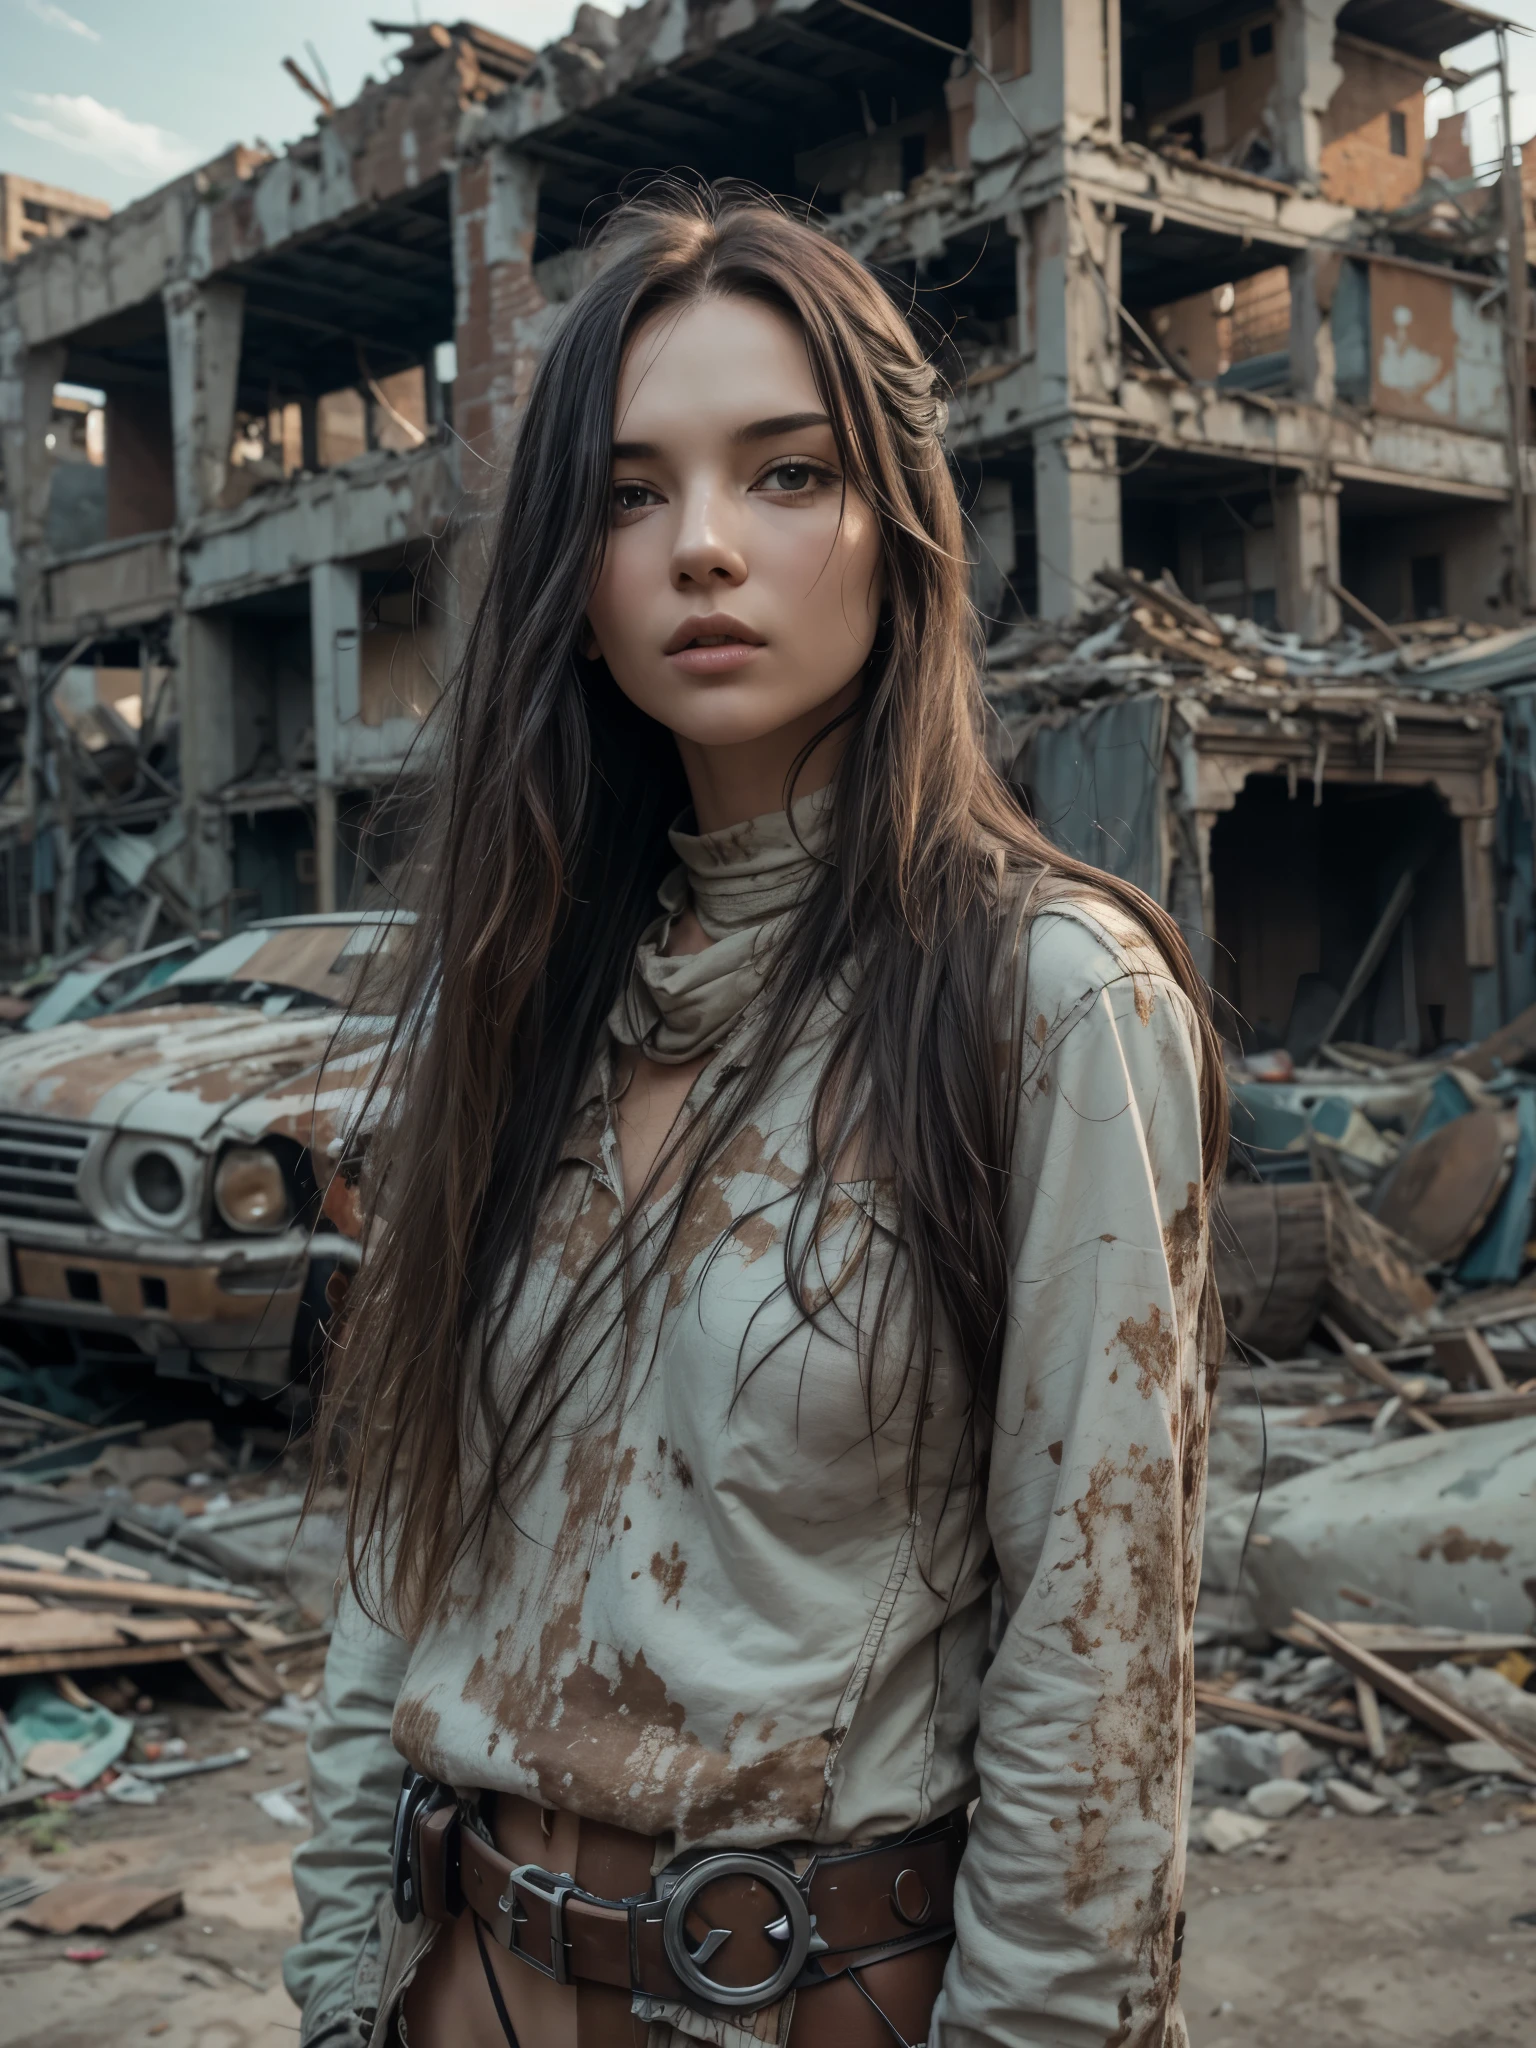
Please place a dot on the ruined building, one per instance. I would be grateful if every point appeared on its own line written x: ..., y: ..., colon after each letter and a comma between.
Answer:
x: 1211, y: 305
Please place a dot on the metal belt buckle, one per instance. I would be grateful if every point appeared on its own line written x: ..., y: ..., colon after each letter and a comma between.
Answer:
x: 553, y: 1891
x: 416, y: 1793
x: 795, y: 1928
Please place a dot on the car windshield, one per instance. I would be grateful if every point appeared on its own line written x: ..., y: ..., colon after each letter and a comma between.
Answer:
x: 283, y: 966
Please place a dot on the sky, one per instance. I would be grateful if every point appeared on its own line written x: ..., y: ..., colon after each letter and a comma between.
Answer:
x: 114, y: 97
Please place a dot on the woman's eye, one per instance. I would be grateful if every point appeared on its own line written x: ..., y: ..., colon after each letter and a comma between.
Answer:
x: 793, y: 478
x: 632, y: 497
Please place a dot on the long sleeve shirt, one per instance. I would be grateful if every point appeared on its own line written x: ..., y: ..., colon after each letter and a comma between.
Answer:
x: 719, y: 1619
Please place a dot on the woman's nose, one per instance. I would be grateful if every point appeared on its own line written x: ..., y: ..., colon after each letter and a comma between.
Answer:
x: 708, y: 550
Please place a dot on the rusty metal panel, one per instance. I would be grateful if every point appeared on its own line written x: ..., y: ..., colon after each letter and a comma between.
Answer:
x: 1436, y: 354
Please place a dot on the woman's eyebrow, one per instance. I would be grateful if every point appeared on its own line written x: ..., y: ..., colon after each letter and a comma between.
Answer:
x: 757, y: 430
x: 785, y: 423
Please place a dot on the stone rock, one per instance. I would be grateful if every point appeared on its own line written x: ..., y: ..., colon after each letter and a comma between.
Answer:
x: 128, y: 1463
x: 1349, y: 1797
x: 1277, y: 1798
x: 1231, y: 1759
x: 1224, y: 1830
x: 1483, y: 1759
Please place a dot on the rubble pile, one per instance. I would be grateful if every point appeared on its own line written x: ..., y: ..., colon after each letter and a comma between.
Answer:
x: 131, y: 1557
x: 1147, y: 634
x: 1364, y: 1720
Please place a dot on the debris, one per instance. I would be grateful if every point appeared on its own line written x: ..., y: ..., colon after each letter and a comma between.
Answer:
x: 1412, y: 1647
x: 94, y: 1954
x: 1232, y: 1759
x: 1486, y: 1759
x: 56, y: 1740
x: 1223, y: 1830
x: 1277, y: 1798
x: 183, y: 1599
x: 1428, y: 1530
x: 190, y: 1766
x: 279, y: 1804
x: 1453, y: 1723
x: 129, y: 1789
x: 1246, y: 1713
x: 1446, y: 1185
x: 1509, y: 1712
x: 1354, y: 1799
x: 1369, y: 1709
x: 83, y: 1905
x: 17, y: 1888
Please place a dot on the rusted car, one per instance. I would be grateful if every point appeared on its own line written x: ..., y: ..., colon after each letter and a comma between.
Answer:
x: 168, y: 1193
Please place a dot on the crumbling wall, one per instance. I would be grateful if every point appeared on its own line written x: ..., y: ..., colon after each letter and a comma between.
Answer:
x: 1372, y: 135
x: 497, y: 325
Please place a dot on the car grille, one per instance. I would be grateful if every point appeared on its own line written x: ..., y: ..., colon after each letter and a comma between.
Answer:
x: 39, y: 1166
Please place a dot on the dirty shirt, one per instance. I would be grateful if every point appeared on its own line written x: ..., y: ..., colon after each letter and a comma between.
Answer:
x: 720, y: 1620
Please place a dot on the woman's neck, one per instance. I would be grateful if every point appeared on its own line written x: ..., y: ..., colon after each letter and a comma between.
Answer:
x: 751, y: 778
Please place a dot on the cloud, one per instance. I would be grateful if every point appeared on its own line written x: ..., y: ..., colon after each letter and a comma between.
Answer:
x: 59, y: 17
x: 77, y: 122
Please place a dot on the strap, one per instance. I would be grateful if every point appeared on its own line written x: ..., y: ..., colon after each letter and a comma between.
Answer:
x: 868, y: 1904
x: 495, y: 1989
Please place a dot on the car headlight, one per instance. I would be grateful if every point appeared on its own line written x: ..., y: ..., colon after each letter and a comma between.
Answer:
x: 158, y: 1183
x: 249, y: 1190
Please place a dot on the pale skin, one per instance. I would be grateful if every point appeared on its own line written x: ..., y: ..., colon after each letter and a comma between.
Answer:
x: 739, y: 594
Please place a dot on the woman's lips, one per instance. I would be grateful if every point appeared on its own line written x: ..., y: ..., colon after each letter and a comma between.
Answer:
x: 716, y: 659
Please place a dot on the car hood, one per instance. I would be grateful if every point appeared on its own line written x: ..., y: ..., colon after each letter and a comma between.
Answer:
x: 177, y: 1071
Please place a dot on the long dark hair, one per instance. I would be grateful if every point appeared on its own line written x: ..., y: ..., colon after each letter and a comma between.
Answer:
x: 547, y: 842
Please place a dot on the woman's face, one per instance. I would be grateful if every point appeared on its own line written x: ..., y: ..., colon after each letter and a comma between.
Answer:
x: 741, y: 584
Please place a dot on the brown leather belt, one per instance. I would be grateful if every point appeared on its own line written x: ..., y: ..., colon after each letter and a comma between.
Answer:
x: 727, y: 1930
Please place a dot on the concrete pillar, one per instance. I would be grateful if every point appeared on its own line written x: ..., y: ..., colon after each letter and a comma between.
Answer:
x: 325, y: 847
x: 1307, y: 557
x: 1314, y: 279
x: 335, y: 629
x: 500, y: 313
x: 203, y: 328
x: 205, y: 689
x: 1077, y: 516
x: 1306, y: 78
x: 27, y: 378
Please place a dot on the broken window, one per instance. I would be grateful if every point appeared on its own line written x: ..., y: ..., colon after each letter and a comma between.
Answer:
x: 1300, y: 886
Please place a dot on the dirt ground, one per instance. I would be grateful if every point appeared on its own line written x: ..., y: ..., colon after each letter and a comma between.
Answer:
x: 1336, y: 1933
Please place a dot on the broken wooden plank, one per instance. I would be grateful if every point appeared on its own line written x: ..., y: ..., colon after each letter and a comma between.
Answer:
x: 57, y: 1628
x: 1254, y: 1714
x: 251, y: 1669
x: 169, y: 1628
x: 1466, y: 1359
x: 121, y: 1656
x: 1450, y: 1723
x: 107, y: 1567
x: 1369, y: 1709
x: 222, y: 1686
x: 1403, y: 1645
x: 184, y: 1599
x: 1484, y: 1406
x: 1360, y: 1359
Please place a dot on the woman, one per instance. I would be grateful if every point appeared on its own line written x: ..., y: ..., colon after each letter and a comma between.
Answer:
x: 777, y: 1398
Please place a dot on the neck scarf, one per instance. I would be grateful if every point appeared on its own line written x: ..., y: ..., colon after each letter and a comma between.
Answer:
x: 744, y: 883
